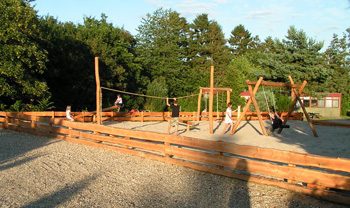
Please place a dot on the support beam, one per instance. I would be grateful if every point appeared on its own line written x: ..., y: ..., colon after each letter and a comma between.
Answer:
x: 211, y: 99
x: 98, y: 92
x: 257, y: 109
x: 297, y: 99
x: 199, y: 104
x: 228, y: 97
x: 246, y: 107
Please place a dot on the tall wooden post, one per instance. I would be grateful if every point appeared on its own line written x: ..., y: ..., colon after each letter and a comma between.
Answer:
x: 98, y: 92
x: 228, y: 96
x: 211, y: 99
x: 199, y: 104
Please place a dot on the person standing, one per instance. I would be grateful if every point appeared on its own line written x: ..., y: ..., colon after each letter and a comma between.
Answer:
x: 175, y: 112
x: 228, y: 117
x: 118, y: 102
x: 68, y: 113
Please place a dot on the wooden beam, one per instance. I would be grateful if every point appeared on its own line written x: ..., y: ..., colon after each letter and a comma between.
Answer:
x: 257, y: 109
x: 216, y: 89
x: 294, y: 101
x: 199, y: 104
x: 246, y: 107
x: 274, y: 84
x: 98, y: 92
x: 228, y: 97
x: 211, y: 100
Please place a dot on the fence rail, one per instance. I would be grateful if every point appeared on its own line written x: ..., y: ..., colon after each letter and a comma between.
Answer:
x: 319, y: 176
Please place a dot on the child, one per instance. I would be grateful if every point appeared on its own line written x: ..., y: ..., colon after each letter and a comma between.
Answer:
x: 277, y: 122
x: 175, y: 112
x: 228, y: 117
x: 118, y: 102
x: 68, y: 113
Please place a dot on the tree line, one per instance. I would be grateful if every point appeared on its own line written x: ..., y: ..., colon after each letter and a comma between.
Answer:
x: 47, y: 64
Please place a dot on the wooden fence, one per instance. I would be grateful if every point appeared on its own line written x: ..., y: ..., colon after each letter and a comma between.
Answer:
x: 162, y: 116
x: 323, y: 177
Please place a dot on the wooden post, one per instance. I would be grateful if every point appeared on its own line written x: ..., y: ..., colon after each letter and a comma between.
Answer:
x: 6, y: 122
x: 246, y: 107
x: 199, y: 104
x: 217, y: 106
x: 98, y: 92
x: 211, y: 99
x: 228, y: 96
x: 257, y: 109
x: 52, y: 120
x: 238, y: 112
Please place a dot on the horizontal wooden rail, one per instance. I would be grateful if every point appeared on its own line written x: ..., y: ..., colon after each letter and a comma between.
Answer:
x: 331, y: 123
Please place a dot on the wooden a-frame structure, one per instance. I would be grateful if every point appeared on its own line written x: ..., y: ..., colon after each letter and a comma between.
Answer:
x: 295, y: 98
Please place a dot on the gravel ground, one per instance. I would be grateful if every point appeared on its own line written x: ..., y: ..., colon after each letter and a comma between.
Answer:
x: 42, y: 172
x: 332, y: 141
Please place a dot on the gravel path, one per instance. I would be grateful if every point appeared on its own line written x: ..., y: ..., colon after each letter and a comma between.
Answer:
x: 42, y: 172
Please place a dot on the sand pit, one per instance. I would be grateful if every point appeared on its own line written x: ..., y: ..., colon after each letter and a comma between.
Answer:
x: 332, y: 141
x: 43, y: 172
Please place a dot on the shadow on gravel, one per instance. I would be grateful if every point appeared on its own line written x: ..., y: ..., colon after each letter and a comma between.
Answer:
x: 240, y: 197
x: 5, y: 164
x: 14, y: 145
x: 63, y: 195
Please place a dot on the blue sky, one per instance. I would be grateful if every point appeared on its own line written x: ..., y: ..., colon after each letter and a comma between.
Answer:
x: 320, y: 19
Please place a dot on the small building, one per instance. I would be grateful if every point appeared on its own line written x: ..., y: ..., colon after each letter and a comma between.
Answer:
x: 326, y: 105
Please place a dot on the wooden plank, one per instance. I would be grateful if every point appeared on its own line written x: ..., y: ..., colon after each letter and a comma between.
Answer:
x: 274, y: 84
x: 329, y: 123
x: 211, y: 100
x: 328, y: 195
x: 286, y: 157
x: 112, y: 130
x: 265, y: 168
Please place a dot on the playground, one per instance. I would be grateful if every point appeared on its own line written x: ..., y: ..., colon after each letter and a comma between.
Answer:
x: 304, y: 158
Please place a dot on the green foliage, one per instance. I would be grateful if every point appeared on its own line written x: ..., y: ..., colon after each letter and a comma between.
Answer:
x: 241, y: 41
x: 158, y: 88
x: 161, y: 48
x: 43, y: 105
x: 207, y: 45
x: 283, y: 102
x: 235, y: 75
x: 22, y: 59
x: 48, y: 64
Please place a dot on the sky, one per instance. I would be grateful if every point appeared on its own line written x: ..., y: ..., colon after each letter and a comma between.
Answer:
x: 319, y: 19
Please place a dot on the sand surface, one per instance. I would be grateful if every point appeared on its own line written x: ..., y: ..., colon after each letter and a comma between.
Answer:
x: 42, y: 172
x: 331, y: 141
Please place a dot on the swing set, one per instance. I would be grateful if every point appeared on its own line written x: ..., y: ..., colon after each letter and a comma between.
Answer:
x: 296, y: 91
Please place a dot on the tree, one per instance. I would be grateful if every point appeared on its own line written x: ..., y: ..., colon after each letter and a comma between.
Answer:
x: 71, y: 68
x: 296, y: 55
x: 22, y: 59
x: 162, y: 49
x: 338, y: 63
x: 156, y: 88
x: 207, y: 46
x: 241, y: 40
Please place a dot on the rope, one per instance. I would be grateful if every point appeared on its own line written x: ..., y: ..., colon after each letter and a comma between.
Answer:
x: 267, y: 103
x: 142, y: 95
